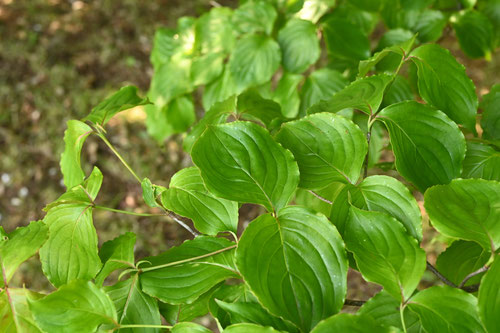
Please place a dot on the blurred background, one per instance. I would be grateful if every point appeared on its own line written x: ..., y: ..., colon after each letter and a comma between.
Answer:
x: 58, y: 59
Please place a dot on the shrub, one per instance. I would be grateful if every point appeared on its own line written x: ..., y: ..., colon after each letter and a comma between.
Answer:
x: 303, y: 133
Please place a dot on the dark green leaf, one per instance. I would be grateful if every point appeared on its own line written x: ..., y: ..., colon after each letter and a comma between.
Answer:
x: 219, y: 90
x: 369, y: 5
x: 475, y: 34
x: 246, y: 328
x: 398, y: 91
x: 241, y: 162
x: 490, y: 121
x: 189, y: 328
x: 187, y: 196
x: 446, y: 309
x: 125, y: 98
x: 15, y: 315
x: 295, y: 264
x: 74, y: 138
x: 385, y: 310
x: 252, y: 106
x: 245, y: 312
x: 467, y: 209
x: 133, y: 306
x: 299, y: 45
x: 442, y: 82
x: 306, y: 198
x: 384, y: 252
x: 460, y: 259
x: 364, y: 94
x: 346, y: 322
x: 428, y: 146
x: 254, y: 16
x: 489, y: 297
x: 19, y: 246
x: 481, y: 161
x: 217, y: 114
x: 188, y: 270
x: 429, y: 25
x: 254, y: 61
x: 76, y: 307
x: 320, y: 85
x: 327, y: 147
x: 346, y: 40
x: 287, y: 95
x: 116, y: 254
x: 72, y: 233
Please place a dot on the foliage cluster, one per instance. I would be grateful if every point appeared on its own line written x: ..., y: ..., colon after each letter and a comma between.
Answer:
x: 305, y: 142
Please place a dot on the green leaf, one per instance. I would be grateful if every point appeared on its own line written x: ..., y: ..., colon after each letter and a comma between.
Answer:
x: 489, y: 297
x: 491, y: 8
x: 391, y: 48
x: 217, y: 114
x: 72, y: 232
x: 443, y: 83
x: 369, y: 5
x: 429, y: 147
x: 245, y: 312
x: 346, y: 322
x: 207, y: 68
x: 228, y: 293
x: 490, y: 121
x: 398, y: 91
x: 20, y: 245
x: 313, y: 10
x: 254, y: 16
x: 15, y: 315
x: 320, y: 85
x: 74, y: 138
x: 189, y: 328
x: 76, y: 307
x: 467, y: 209
x: 123, y: 99
x: 254, y: 61
x: 116, y: 254
x: 345, y: 39
x: 169, y: 81
x: 475, y: 34
x: 150, y: 192
x: 165, y: 46
x: 327, y: 147
x: 364, y: 94
x: 252, y: 106
x: 379, y: 193
x: 429, y: 25
x: 189, y: 270
x: 287, y: 95
x: 295, y: 264
x: 460, y: 259
x: 385, y: 310
x: 245, y: 328
x: 188, y: 197
x: 446, y: 309
x: 481, y: 161
x: 384, y: 252
x: 299, y: 45
x: 214, y: 32
x: 219, y: 90
x: 241, y: 162
x: 306, y: 198
x: 133, y: 306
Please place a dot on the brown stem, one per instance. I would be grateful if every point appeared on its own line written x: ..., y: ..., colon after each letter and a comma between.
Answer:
x: 353, y: 302
x: 440, y: 276
x: 471, y: 275
x: 320, y: 197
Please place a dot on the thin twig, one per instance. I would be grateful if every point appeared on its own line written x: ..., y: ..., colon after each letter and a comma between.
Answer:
x: 471, y: 289
x: 440, y: 276
x: 354, y: 302
x: 184, y: 225
x: 320, y: 197
x: 471, y: 275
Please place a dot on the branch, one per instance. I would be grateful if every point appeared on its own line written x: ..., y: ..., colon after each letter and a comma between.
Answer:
x: 471, y: 289
x: 471, y: 275
x: 353, y: 302
x: 440, y: 276
x: 320, y: 197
